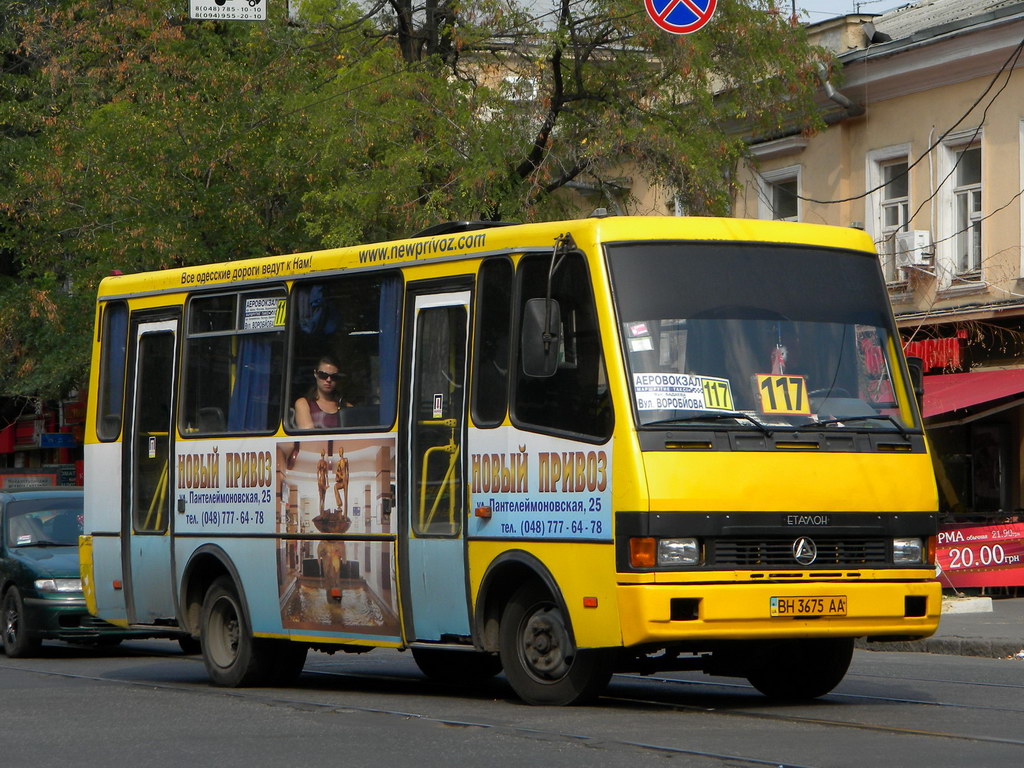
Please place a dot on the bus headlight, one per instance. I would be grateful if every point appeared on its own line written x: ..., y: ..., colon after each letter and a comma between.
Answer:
x: 649, y: 552
x: 907, y: 551
x: 679, y: 552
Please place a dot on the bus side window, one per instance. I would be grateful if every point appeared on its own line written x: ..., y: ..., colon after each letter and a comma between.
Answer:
x: 576, y: 399
x: 234, y: 363
x: 354, y: 321
x: 113, y: 343
x: 492, y: 342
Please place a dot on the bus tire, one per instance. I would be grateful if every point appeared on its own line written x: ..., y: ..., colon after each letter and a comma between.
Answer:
x: 449, y: 666
x: 285, y: 660
x: 17, y: 641
x: 231, y: 654
x: 802, y: 669
x: 540, y: 658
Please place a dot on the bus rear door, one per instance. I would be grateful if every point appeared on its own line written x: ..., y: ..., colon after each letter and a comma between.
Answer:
x: 146, y: 501
x: 433, y: 433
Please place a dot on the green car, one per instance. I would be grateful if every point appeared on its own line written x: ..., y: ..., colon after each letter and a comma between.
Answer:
x: 40, y: 584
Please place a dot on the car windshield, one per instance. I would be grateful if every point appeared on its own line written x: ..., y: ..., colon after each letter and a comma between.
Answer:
x: 758, y: 336
x: 43, y: 522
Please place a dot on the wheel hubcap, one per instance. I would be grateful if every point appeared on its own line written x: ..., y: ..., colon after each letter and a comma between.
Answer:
x: 225, y: 633
x: 10, y: 624
x: 546, y: 648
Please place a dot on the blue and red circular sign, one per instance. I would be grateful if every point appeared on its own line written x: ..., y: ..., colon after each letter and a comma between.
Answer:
x: 681, y: 17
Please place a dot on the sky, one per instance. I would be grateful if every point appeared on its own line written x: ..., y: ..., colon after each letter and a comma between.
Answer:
x: 819, y: 10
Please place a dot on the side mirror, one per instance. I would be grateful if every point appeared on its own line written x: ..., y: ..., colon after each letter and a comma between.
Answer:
x: 540, y: 343
x: 916, y: 367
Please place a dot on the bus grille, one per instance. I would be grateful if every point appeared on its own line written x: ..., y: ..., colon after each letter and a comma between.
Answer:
x: 832, y: 553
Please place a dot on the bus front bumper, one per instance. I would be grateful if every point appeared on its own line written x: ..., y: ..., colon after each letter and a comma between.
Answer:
x: 660, y: 614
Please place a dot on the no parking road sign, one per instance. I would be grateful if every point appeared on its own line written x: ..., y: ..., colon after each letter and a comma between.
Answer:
x: 681, y: 17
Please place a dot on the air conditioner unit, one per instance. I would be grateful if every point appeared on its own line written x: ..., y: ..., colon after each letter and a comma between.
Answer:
x: 914, y: 248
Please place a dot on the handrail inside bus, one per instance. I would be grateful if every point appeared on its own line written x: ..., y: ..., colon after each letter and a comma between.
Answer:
x: 156, y: 504
x: 448, y: 481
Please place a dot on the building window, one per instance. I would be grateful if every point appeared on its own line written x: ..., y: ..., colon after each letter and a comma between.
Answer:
x: 780, y: 195
x: 894, y: 211
x: 967, y: 210
x: 784, y: 206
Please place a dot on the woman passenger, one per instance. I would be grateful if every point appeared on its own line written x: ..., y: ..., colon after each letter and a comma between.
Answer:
x: 319, y: 408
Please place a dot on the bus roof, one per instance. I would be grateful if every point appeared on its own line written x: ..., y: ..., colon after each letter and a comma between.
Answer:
x: 481, y: 242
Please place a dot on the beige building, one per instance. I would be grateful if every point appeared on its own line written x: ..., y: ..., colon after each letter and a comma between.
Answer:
x: 924, y: 150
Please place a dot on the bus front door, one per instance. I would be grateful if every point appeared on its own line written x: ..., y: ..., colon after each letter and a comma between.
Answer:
x: 147, y: 494
x: 434, y: 427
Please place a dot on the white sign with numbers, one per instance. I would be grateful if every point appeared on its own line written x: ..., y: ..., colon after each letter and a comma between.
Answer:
x: 228, y: 10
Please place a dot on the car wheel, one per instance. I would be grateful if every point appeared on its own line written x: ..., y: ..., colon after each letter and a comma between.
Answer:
x: 17, y: 642
x: 541, y: 660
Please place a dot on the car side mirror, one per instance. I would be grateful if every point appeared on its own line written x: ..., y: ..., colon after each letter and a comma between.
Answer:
x: 915, y: 365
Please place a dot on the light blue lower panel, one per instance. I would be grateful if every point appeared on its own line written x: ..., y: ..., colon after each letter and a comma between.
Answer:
x: 437, y: 583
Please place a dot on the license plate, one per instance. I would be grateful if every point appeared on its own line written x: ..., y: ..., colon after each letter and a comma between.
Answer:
x: 827, y: 605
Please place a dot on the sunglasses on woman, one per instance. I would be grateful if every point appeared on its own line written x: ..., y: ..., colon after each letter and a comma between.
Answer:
x: 324, y: 376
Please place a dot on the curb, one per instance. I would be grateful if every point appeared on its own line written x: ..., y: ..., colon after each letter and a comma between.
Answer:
x: 960, y: 605
x: 1000, y: 648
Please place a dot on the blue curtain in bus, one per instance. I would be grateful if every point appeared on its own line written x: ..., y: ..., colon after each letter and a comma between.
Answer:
x: 390, y: 296
x: 312, y: 311
x: 250, y: 395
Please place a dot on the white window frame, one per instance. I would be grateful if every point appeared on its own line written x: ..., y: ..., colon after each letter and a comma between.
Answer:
x: 766, y: 186
x: 1020, y: 201
x: 947, y: 240
x: 876, y: 161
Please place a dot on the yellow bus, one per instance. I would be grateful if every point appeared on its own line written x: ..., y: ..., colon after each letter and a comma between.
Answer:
x: 559, y: 449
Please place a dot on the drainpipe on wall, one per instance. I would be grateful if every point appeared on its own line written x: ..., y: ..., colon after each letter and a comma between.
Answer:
x: 852, y: 108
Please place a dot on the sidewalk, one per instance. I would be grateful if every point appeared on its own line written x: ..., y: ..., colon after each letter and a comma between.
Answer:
x: 998, y: 634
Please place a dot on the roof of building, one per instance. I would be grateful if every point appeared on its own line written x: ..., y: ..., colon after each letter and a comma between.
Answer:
x: 927, y: 14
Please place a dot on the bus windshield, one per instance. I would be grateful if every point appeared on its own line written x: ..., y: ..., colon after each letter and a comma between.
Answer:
x: 757, y: 336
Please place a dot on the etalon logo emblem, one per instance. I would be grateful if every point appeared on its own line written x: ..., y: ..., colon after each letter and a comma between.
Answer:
x: 805, y: 551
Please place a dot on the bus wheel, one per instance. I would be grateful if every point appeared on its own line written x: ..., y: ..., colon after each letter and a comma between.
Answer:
x: 450, y: 666
x: 285, y: 659
x: 230, y: 652
x: 16, y: 640
x: 802, y: 669
x: 540, y: 659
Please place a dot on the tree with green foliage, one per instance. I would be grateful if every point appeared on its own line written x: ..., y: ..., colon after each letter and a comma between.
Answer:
x: 132, y: 138
x: 137, y: 140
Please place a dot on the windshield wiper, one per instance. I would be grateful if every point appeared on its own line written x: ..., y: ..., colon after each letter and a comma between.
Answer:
x: 861, y: 417
x: 712, y: 417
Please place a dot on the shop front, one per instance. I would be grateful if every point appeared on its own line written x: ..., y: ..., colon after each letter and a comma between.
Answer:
x: 975, y: 422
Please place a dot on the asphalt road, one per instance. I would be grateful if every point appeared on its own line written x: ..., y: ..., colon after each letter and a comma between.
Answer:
x: 145, y: 704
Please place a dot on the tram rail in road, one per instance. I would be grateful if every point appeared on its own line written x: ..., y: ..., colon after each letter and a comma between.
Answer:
x: 893, y: 709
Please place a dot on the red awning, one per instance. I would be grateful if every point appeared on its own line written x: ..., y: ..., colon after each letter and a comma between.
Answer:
x: 953, y: 391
